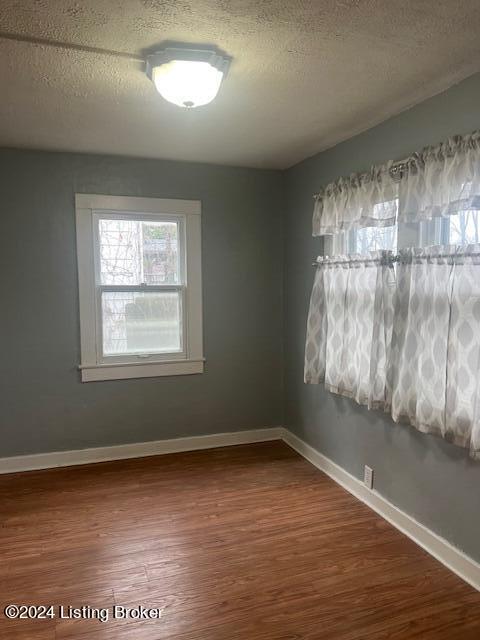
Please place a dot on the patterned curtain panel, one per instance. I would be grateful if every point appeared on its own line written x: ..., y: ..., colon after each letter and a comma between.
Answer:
x: 436, y: 182
x: 406, y: 342
x: 349, y: 327
x: 434, y: 365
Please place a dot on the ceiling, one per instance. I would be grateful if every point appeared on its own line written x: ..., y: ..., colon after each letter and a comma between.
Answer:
x: 306, y: 74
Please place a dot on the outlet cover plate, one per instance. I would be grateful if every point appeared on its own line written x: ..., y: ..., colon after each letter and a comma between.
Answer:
x: 368, y: 477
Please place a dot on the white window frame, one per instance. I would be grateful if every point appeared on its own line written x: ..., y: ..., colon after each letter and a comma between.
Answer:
x: 187, y: 213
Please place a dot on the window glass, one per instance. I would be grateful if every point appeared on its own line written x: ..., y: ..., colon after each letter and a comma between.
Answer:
x: 141, y: 322
x: 374, y: 239
x: 368, y: 239
x: 463, y: 228
x: 138, y: 251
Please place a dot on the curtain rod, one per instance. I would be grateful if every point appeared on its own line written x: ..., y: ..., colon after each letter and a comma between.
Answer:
x: 397, y: 257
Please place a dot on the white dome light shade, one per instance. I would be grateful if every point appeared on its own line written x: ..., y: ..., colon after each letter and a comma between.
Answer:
x: 187, y: 83
x: 187, y: 77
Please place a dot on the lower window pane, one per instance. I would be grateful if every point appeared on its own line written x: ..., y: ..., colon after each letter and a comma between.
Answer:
x: 141, y: 323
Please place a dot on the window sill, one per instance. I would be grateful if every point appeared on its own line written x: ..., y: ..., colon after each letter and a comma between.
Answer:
x: 96, y: 372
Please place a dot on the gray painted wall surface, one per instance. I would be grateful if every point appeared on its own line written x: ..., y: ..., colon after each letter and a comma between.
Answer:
x: 431, y: 480
x: 44, y: 406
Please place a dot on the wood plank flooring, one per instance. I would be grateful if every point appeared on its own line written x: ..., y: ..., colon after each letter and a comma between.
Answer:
x: 241, y: 543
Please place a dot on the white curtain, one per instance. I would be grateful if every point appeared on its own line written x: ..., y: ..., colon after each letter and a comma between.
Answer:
x: 434, y: 366
x: 406, y: 342
x: 436, y: 182
x: 349, y: 327
x: 361, y: 200
x: 442, y: 180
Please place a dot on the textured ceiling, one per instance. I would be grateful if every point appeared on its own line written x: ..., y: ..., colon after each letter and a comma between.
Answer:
x: 305, y: 75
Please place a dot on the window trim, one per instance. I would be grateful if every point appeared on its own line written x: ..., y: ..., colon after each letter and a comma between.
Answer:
x: 94, y: 366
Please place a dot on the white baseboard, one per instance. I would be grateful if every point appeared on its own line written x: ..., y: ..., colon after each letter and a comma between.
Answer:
x: 454, y: 559
x: 135, y: 450
x: 457, y: 561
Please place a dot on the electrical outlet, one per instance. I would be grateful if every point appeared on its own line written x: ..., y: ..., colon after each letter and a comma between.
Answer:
x: 368, y: 477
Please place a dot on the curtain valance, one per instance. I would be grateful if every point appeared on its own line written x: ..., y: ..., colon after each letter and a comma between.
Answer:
x: 436, y: 182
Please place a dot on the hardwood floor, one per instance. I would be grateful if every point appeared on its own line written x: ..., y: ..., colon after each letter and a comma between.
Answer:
x: 241, y: 543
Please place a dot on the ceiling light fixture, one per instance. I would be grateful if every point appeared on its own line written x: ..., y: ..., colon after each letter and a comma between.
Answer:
x: 187, y: 77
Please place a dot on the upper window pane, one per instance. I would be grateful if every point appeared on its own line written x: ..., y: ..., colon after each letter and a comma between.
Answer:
x: 463, y: 228
x: 138, y: 251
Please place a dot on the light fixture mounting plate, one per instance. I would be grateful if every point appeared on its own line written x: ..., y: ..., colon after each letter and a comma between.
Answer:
x: 169, y: 54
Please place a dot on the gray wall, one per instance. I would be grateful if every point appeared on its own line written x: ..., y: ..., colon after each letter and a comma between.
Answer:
x: 431, y: 480
x: 44, y: 406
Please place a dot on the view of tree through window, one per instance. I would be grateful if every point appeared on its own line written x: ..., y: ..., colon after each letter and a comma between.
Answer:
x: 139, y: 253
x: 463, y: 228
x: 132, y: 252
x: 369, y: 239
x: 375, y: 239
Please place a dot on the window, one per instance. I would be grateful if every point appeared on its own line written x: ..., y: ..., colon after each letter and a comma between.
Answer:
x: 366, y: 239
x: 139, y: 272
x: 372, y: 239
x: 459, y: 229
